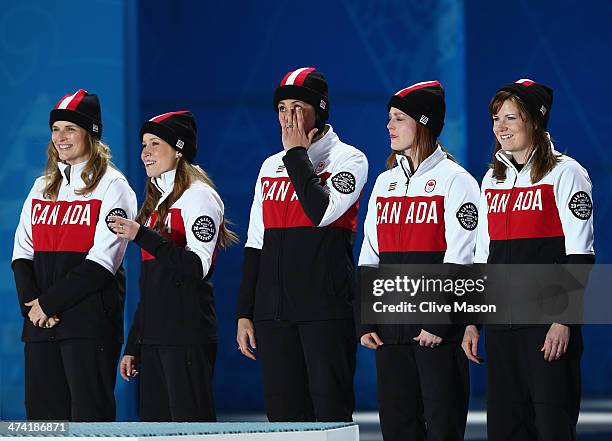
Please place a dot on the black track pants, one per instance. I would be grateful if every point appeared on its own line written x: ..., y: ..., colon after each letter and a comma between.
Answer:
x: 529, y: 398
x: 307, y: 369
x: 176, y: 383
x: 71, y: 380
x: 422, y: 392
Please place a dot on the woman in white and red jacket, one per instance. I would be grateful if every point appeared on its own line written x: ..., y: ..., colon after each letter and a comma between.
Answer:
x: 536, y: 208
x: 68, y: 270
x: 179, y: 227
x: 423, y: 383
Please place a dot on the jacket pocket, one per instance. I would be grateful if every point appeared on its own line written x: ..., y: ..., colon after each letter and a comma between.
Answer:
x: 338, y: 272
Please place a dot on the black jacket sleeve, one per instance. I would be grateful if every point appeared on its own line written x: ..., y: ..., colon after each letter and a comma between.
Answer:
x: 313, y: 197
x: 582, y: 264
x: 179, y: 259
x: 246, y: 293
x: 25, y: 281
x: 361, y: 328
x: 82, y: 281
x: 580, y: 259
x: 132, y: 346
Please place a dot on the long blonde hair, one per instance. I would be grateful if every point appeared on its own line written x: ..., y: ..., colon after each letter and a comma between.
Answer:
x: 97, y: 164
x: 186, y: 173
x: 423, y: 146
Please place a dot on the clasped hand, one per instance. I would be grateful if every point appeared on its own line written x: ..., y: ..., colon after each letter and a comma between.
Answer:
x: 38, y: 317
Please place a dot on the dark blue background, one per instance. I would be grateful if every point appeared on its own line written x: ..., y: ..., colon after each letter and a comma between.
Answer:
x: 223, y: 61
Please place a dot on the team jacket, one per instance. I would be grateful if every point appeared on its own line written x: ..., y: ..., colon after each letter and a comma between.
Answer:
x: 545, y: 222
x: 429, y: 217
x: 298, y: 256
x: 176, y: 298
x: 66, y: 256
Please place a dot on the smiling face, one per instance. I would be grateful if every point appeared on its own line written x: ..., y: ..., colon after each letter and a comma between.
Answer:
x: 157, y: 155
x: 402, y: 130
x: 287, y: 107
x: 512, y: 131
x: 70, y: 142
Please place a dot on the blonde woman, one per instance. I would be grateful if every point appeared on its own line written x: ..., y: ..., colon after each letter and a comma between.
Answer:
x: 179, y: 228
x: 68, y: 273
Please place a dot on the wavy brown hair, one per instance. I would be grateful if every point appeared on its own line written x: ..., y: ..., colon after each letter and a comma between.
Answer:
x: 423, y: 146
x: 186, y: 173
x: 97, y: 164
x: 543, y: 159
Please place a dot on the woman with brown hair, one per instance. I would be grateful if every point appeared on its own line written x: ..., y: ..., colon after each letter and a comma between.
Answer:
x: 422, y: 211
x: 68, y: 270
x: 536, y: 209
x: 179, y: 228
x: 294, y: 306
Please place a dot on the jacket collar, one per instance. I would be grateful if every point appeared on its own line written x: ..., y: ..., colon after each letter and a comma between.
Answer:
x: 506, y: 158
x: 72, y: 173
x: 429, y: 163
x: 165, y: 184
x: 318, y: 150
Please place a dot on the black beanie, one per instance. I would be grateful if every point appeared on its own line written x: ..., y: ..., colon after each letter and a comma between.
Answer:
x: 423, y: 102
x: 537, y: 97
x: 306, y: 84
x: 81, y: 108
x: 176, y: 128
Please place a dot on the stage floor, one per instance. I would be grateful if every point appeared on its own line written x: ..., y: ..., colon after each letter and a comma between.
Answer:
x: 594, y: 424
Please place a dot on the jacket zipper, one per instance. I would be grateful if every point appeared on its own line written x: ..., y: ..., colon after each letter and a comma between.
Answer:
x: 399, y: 239
x: 508, y: 253
x: 400, y: 328
x: 508, y: 212
x: 54, y: 247
x: 59, y: 201
x: 143, y: 294
x: 277, y: 315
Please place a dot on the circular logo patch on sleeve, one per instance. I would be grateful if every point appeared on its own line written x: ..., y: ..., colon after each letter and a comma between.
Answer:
x: 344, y: 182
x: 204, y: 229
x: 580, y: 205
x: 467, y: 215
x: 115, y: 212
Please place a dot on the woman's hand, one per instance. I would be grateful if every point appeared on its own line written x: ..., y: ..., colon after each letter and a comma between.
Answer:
x: 555, y: 344
x: 245, y: 337
x: 127, y: 368
x: 36, y: 315
x: 470, y: 343
x: 427, y: 339
x: 292, y: 130
x: 123, y: 228
x: 371, y: 340
x: 51, y: 322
